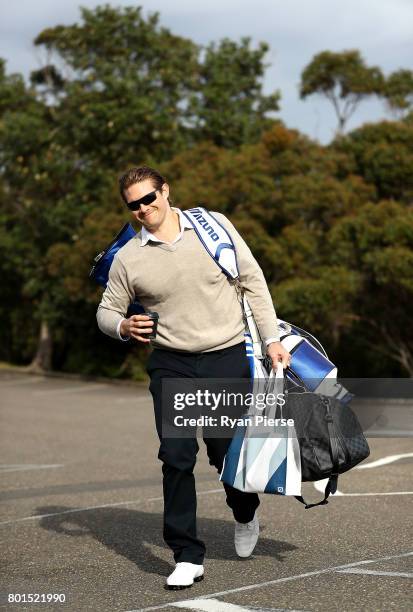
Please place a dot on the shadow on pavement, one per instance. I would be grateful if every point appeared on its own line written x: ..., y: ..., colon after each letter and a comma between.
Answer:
x: 130, y: 533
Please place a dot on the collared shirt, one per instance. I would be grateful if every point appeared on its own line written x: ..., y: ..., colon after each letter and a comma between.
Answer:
x: 184, y: 223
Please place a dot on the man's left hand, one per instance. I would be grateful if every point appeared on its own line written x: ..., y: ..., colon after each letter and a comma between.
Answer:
x: 277, y: 353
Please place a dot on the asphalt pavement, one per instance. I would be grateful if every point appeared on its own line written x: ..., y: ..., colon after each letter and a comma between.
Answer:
x: 81, y: 517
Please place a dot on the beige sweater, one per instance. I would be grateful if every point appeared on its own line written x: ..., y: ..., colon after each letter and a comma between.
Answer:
x: 198, y: 306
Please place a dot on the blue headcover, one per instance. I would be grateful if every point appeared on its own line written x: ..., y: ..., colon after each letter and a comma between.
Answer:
x: 103, y: 261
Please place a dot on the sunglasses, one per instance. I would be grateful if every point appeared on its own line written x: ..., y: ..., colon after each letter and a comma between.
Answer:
x: 147, y: 199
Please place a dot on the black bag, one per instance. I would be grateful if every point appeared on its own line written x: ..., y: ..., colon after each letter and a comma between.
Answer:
x: 330, y: 438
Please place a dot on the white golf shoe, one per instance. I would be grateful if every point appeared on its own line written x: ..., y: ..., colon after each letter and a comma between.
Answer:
x: 246, y: 536
x: 184, y: 575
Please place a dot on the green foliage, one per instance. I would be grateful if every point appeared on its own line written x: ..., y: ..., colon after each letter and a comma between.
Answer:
x: 378, y: 242
x: 229, y: 107
x: 331, y: 226
x: 398, y: 91
x: 322, y: 301
x: 383, y: 156
x: 344, y: 79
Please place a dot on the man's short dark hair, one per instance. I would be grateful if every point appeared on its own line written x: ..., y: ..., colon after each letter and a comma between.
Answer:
x: 139, y: 174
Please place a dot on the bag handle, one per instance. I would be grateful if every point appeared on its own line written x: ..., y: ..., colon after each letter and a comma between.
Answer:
x: 331, y: 486
x: 276, y: 380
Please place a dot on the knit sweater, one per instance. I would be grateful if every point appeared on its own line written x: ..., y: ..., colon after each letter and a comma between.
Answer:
x: 199, y: 307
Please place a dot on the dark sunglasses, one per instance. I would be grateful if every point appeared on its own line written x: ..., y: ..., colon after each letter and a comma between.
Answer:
x: 147, y: 199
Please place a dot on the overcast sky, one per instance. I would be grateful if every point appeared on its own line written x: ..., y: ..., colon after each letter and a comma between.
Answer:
x: 295, y: 29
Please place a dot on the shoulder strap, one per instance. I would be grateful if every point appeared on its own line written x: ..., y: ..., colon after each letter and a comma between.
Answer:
x: 219, y: 244
x: 215, y: 238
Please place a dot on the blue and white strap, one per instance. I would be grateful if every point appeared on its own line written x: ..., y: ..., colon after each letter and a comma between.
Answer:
x: 215, y: 239
x: 219, y: 244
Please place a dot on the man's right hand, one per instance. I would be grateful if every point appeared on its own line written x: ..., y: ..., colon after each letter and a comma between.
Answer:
x: 137, y: 325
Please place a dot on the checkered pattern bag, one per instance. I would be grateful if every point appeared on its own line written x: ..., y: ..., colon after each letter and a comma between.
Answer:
x: 330, y: 437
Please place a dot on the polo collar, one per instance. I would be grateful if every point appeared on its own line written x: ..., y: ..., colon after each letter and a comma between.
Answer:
x: 184, y: 223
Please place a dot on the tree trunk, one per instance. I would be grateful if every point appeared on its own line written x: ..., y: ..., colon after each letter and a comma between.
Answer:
x: 42, y: 361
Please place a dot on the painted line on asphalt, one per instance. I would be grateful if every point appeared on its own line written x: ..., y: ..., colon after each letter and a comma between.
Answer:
x: 152, y: 499
x: 22, y: 467
x: 375, y: 494
x: 89, y: 508
x: 261, y: 609
x: 216, y: 605
x: 356, y: 570
x: 383, y: 461
x: 320, y: 485
x: 260, y: 585
x: 210, y: 605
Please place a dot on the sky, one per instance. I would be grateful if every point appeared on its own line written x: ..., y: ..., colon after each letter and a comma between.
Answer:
x: 296, y: 30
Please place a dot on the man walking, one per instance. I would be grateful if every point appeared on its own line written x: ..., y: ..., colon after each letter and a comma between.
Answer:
x: 200, y: 334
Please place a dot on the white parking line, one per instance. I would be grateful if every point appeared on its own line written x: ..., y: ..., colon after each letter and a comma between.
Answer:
x: 152, y: 499
x: 320, y: 485
x: 278, y: 581
x: 374, y: 494
x: 356, y: 570
x: 210, y: 605
x: 22, y: 467
x: 216, y: 605
x: 383, y: 461
x: 88, y: 508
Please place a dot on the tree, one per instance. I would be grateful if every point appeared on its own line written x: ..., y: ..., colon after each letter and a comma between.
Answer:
x: 344, y: 79
x: 330, y: 226
x: 377, y: 241
x: 47, y: 191
x: 229, y: 107
x: 124, y: 78
x: 23, y: 137
x: 382, y: 153
x: 398, y: 92
x: 140, y: 92
x: 309, y: 218
x: 113, y: 90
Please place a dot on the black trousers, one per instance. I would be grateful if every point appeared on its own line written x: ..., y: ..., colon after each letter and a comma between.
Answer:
x: 178, y: 455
